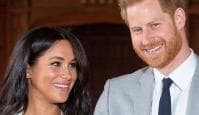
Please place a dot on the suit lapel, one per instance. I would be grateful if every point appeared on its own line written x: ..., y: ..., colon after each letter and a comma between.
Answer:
x: 193, y: 100
x: 143, y: 99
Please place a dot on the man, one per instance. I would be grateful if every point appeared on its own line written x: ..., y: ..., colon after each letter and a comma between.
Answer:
x: 159, y: 38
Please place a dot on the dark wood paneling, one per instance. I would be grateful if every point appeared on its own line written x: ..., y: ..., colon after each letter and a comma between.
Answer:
x: 108, y: 45
x: 194, y: 33
x: 2, y: 40
x: 109, y: 51
x: 83, y: 14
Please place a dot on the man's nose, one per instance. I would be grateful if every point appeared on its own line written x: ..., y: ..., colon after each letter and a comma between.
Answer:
x: 147, y: 36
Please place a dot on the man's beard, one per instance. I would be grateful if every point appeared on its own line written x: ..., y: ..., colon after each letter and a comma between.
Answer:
x: 171, y: 49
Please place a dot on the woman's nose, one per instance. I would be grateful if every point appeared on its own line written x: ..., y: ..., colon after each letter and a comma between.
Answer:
x: 65, y: 73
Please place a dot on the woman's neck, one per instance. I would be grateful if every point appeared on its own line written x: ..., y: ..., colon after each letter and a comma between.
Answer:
x: 39, y: 106
x: 41, y: 109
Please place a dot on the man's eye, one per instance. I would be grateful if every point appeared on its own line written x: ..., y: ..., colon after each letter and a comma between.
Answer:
x: 56, y: 64
x: 137, y: 30
x: 155, y: 25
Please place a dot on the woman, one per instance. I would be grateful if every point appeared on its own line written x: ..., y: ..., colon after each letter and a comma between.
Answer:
x: 47, y: 75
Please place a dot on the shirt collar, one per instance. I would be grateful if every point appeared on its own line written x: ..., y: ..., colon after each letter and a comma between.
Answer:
x: 158, y: 75
x: 182, y: 75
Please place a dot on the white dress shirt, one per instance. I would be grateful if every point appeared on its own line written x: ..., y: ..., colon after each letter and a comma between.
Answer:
x: 179, y: 89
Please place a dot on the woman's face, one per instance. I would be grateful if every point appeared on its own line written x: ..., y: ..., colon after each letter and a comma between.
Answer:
x: 54, y: 74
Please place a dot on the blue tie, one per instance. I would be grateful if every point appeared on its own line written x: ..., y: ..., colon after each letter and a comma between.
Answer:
x: 165, y: 100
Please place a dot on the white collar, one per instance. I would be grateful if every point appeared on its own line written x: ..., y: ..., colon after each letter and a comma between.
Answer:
x: 182, y: 75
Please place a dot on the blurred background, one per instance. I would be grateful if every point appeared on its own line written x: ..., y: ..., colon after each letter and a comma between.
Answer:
x: 98, y: 25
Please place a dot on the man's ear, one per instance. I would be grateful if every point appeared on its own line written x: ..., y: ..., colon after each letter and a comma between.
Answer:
x: 28, y: 71
x: 180, y: 18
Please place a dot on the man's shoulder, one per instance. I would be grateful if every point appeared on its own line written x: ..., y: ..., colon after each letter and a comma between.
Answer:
x: 132, y: 77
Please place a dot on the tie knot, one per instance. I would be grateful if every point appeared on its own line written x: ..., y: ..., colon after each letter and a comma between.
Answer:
x: 167, y: 83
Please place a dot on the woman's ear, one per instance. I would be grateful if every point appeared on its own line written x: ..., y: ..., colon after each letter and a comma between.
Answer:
x: 180, y: 18
x: 28, y: 71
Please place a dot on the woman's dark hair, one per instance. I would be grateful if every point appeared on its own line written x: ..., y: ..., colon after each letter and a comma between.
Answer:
x: 14, y: 87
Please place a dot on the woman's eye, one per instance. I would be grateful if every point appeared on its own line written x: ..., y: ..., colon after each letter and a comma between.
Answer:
x: 56, y: 64
x: 72, y: 65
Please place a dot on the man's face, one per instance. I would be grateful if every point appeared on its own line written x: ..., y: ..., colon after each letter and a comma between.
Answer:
x: 154, y: 35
